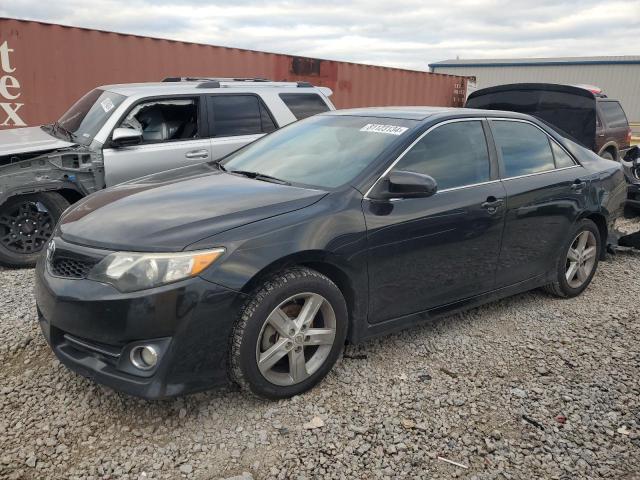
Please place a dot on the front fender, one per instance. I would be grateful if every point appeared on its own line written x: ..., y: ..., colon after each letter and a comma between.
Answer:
x: 332, y: 228
x: 77, y: 169
x: 330, y: 234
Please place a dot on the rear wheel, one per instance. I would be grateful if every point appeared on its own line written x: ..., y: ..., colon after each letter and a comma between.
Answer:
x: 26, y: 224
x: 289, y: 335
x: 607, y: 155
x: 577, y: 261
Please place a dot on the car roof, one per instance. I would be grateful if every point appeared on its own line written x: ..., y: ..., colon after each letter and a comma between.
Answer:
x: 200, y: 86
x: 423, y: 113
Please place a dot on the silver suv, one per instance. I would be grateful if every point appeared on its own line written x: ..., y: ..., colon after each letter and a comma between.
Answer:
x: 119, y: 132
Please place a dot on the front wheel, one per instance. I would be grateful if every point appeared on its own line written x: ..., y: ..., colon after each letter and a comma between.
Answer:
x: 577, y: 261
x: 289, y: 335
x: 26, y: 224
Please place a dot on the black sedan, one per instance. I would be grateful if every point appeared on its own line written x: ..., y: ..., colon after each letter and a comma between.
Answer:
x: 258, y: 268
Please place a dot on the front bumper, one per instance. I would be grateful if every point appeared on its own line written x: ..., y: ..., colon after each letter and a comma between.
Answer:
x: 92, y: 328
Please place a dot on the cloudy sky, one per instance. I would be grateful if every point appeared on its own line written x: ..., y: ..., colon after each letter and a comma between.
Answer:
x: 404, y: 33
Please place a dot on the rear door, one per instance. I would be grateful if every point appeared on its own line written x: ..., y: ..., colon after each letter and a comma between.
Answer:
x: 544, y: 187
x: 236, y: 120
x: 174, y: 134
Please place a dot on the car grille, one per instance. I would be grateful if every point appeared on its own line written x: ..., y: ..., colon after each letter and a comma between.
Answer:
x: 71, y: 267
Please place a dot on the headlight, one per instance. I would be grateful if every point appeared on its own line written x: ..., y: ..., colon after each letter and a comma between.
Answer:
x: 131, y: 271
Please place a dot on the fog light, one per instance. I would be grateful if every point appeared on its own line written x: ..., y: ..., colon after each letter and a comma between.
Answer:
x: 144, y: 357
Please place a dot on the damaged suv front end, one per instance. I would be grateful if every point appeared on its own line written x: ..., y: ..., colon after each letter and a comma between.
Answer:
x: 45, y: 169
x: 117, y: 133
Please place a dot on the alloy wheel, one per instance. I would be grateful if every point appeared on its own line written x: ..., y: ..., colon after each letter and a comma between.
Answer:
x: 296, y: 339
x: 581, y: 258
x: 25, y: 227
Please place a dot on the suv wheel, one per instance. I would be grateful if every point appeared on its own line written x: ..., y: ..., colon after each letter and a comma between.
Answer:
x: 26, y: 224
x: 289, y: 335
x: 577, y: 261
x: 607, y: 155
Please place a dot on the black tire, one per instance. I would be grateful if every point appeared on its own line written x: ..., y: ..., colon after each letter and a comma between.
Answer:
x: 253, y: 318
x: 607, y: 155
x: 560, y: 287
x: 11, y: 254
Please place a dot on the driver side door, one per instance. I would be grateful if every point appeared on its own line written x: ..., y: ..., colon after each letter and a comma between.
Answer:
x: 429, y: 252
x: 174, y: 134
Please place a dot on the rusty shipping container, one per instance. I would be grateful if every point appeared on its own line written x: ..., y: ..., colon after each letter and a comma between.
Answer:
x: 46, y: 67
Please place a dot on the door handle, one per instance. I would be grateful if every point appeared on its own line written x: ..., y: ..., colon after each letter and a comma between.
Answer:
x: 492, y: 204
x: 577, y: 185
x: 197, y: 154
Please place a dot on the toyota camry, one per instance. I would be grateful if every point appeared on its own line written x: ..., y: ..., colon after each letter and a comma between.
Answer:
x: 256, y: 269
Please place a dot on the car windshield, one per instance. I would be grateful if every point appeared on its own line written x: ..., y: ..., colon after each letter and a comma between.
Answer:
x: 87, y: 116
x: 324, y: 151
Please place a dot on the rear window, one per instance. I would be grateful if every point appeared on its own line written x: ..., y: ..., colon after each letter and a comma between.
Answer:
x: 235, y: 115
x: 614, y: 116
x: 304, y: 105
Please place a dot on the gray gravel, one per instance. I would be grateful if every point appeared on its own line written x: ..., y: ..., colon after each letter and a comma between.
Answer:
x: 528, y: 387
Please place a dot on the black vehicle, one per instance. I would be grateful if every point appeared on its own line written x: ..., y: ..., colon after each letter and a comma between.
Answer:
x: 581, y: 112
x: 340, y: 227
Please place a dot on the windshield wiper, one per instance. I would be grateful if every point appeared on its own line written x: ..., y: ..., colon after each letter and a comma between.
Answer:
x: 59, y: 128
x: 259, y: 176
x: 219, y: 165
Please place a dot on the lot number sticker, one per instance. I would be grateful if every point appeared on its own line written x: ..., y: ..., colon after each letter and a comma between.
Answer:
x: 107, y: 104
x: 388, y: 129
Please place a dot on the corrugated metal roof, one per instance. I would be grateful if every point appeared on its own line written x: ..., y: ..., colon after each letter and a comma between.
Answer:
x: 520, y: 62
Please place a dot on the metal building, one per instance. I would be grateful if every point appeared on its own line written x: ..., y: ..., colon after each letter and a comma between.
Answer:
x: 619, y: 77
x: 45, y: 67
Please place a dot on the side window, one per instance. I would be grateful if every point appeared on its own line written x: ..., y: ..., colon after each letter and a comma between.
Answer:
x: 164, y: 120
x: 240, y: 115
x: 563, y: 159
x: 304, y: 105
x: 454, y: 154
x: 268, y: 125
x: 525, y: 149
x: 613, y: 114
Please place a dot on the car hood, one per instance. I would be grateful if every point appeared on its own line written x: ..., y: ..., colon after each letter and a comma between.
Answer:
x: 27, y: 140
x: 171, y: 210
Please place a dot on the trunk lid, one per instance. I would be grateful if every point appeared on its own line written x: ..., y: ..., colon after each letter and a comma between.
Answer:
x: 570, y: 109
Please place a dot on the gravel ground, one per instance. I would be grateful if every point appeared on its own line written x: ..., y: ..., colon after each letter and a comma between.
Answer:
x: 528, y: 387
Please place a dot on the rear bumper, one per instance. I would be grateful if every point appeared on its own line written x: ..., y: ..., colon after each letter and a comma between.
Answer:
x: 92, y: 328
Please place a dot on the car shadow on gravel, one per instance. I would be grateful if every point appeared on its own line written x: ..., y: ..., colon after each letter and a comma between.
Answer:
x: 189, y: 405
x: 232, y: 394
x: 489, y: 316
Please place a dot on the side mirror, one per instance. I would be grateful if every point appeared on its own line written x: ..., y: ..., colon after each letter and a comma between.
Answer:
x: 123, y: 137
x: 403, y: 184
x: 632, y: 155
